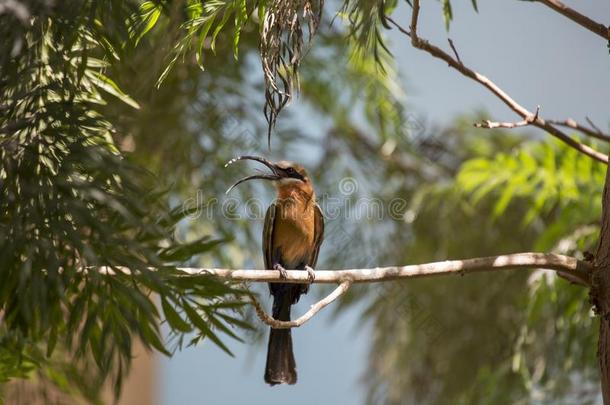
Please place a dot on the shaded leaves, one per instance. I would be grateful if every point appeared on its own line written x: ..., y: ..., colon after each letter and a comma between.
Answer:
x: 71, y: 202
x: 283, y: 35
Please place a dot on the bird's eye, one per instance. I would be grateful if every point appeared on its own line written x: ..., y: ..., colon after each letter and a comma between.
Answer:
x: 291, y: 170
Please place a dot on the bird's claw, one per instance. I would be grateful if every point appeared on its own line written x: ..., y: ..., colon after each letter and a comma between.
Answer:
x: 282, y: 270
x: 311, y: 274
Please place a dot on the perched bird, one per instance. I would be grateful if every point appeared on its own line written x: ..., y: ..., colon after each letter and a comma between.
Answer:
x: 292, y: 235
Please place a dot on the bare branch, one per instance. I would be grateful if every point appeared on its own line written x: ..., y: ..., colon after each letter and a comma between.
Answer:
x: 563, y: 264
x: 400, y: 28
x: 582, y: 20
x: 529, y: 260
x: 525, y: 122
x: 593, y: 125
x: 595, y: 132
x: 438, y: 53
x: 570, y: 268
x: 314, y: 309
x: 455, y: 52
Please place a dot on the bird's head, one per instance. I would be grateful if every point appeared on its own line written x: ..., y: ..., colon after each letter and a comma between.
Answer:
x: 286, y: 176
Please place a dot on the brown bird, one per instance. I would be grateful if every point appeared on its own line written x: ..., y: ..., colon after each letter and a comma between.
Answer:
x: 292, y: 235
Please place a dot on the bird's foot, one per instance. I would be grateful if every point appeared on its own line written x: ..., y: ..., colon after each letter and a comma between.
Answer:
x: 282, y: 270
x: 311, y: 274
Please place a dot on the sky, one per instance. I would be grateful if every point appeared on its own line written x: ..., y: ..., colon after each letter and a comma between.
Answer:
x: 537, y: 56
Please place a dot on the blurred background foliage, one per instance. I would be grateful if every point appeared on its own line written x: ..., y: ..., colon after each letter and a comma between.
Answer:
x: 116, y: 120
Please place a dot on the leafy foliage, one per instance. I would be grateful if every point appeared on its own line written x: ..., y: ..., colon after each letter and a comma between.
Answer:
x: 534, y: 336
x: 281, y: 39
x: 76, y: 200
x: 366, y: 23
x: 549, y: 178
x: 72, y: 202
x: 448, y: 12
x: 81, y: 117
x: 199, y: 32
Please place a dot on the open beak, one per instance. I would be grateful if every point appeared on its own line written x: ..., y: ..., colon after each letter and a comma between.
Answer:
x: 274, y: 175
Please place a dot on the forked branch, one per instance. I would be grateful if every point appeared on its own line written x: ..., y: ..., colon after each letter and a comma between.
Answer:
x: 314, y: 309
x: 593, y: 132
x: 458, y: 65
x: 523, y: 123
x: 576, y: 271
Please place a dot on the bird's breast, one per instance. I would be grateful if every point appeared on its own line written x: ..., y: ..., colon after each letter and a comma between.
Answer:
x: 294, y: 234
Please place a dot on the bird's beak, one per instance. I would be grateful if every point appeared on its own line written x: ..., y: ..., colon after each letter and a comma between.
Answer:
x: 274, y: 175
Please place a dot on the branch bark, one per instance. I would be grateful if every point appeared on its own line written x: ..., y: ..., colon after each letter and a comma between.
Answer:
x: 523, y: 123
x: 600, y: 291
x: 314, y: 309
x: 574, y: 270
x: 523, y: 112
x: 592, y: 132
x: 580, y: 19
x: 599, y: 270
x: 570, y: 266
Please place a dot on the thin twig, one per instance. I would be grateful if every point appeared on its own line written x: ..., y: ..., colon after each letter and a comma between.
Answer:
x: 594, y: 133
x: 438, y: 53
x: 523, y: 123
x: 314, y: 309
x: 595, y: 127
x: 400, y: 28
x: 455, y: 52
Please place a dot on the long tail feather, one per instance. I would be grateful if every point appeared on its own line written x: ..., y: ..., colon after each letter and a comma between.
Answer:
x: 280, y: 367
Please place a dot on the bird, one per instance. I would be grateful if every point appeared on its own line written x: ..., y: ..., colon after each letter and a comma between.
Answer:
x: 292, y: 235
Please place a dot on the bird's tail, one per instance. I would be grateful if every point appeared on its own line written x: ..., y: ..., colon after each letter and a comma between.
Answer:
x: 280, y: 367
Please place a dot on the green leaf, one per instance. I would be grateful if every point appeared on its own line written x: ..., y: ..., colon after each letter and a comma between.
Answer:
x: 105, y: 83
x: 167, y: 70
x: 221, y: 24
x: 179, y: 253
x: 241, y: 15
x: 202, y: 37
x: 151, y: 337
x: 200, y: 324
x: 150, y: 16
x: 504, y: 199
x: 236, y: 321
x: 447, y: 13
x: 173, y: 318
x: 52, y: 342
x: 218, y: 324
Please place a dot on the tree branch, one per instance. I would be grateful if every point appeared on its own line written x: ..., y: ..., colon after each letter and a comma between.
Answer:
x: 582, y: 20
x: 572, y: 269
x: 438, y: 53
x: 593, y: 132
x: 455, y: 52
x: 314, y: 309
x: 525, y: 122
x: 600, y: 291
x: 560, y: 263
x: 598, y: 274
x: 568, y: 265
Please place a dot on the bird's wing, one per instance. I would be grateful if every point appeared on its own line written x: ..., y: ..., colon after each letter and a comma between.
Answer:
x: 268, y: 236
x: 319, y: 235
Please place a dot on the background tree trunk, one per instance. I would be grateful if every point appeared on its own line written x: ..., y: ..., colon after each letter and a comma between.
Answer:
x: 600, y: 292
